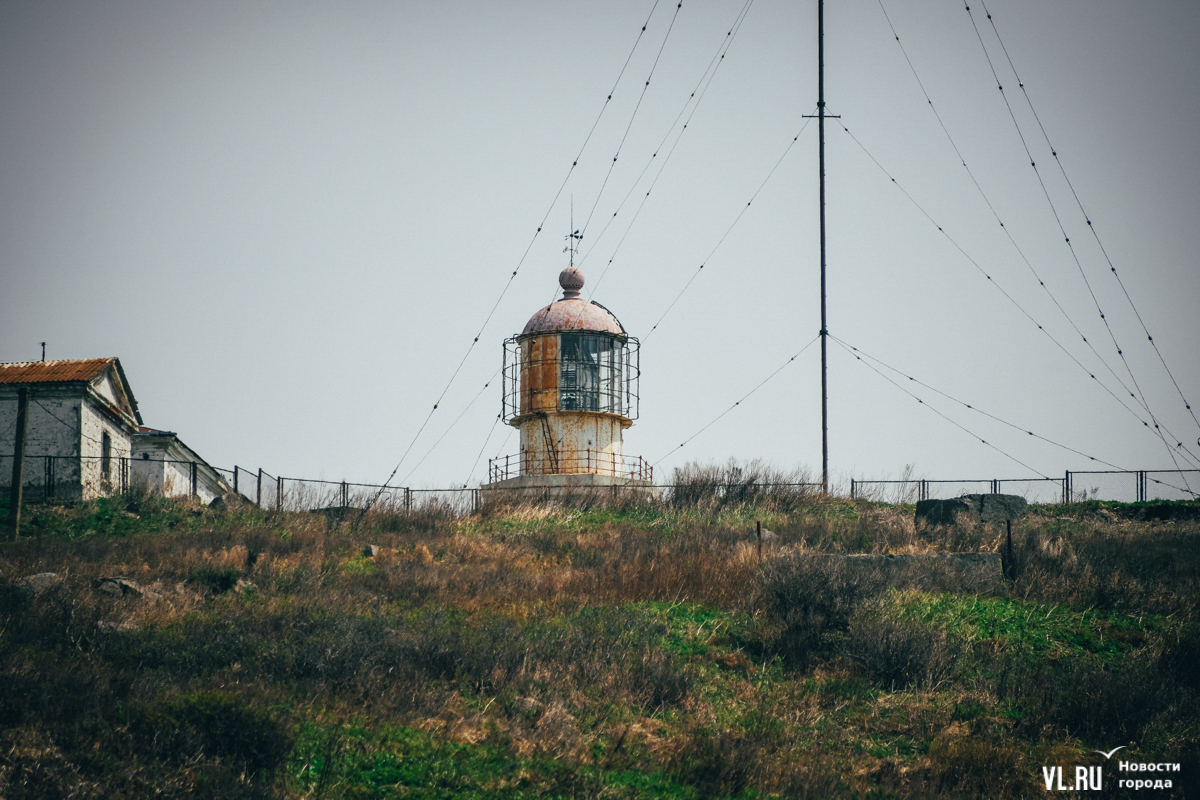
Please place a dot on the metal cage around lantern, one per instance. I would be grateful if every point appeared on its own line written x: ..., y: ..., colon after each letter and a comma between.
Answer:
x: 571, y: 371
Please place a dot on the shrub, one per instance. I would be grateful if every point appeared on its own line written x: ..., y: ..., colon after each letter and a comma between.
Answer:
x: 808, y: 597
x: 1090, y: 700
x: 218, y: 580
x: 898, y: 654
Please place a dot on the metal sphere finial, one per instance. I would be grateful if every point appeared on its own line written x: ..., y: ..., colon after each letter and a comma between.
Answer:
x: 571, y: 280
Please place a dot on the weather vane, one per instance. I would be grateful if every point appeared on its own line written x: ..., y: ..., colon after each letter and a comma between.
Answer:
x: 574, y: 237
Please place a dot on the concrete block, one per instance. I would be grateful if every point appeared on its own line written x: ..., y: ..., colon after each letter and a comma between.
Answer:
x: 974, y: 508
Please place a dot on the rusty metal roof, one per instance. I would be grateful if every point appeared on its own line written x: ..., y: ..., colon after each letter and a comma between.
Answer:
x: 83, y: 370
x: 572, y: 313
x: 86, y: 369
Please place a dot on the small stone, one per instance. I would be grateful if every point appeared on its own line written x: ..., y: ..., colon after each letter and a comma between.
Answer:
x: 123, y: 587
x: 372, y: 550
x: 244, y: 585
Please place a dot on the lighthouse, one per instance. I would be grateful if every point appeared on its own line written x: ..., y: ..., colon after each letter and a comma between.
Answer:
x: 571, y: 388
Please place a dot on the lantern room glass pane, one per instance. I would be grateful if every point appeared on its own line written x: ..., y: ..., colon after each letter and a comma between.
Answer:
x: 591, y: 376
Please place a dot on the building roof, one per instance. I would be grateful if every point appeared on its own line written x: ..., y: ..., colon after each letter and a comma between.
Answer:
x: 86, y: 369
x: 82, y: 370
x: 573, y: 313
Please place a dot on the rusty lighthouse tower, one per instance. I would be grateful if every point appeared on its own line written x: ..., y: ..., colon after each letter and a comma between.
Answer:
x: 571, y: 388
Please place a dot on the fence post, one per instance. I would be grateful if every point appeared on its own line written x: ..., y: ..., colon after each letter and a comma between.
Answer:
x: 1067, y: 486
x: 407, y: 499
x: 235, y: 479
x: 48, y: 493
x: 345, y: 495
x: 18, y: 470
x: 258, y: 489
x: 279, y: 493
x: 853, y: 488
x: 193, y: 479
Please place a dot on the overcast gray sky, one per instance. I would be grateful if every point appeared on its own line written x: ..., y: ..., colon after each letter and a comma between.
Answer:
x: 289, y: 221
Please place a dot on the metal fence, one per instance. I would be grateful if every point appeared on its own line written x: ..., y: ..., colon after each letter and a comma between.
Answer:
x: 72, y: 478
x: 589, y: 461
x: 280, y: 493
x: 1128, y: 486
x: 63, y: 478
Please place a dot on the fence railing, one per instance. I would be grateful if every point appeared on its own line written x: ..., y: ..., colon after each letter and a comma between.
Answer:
x: 68, y: 478
x: 1129, y: 486
x: 598, y: 462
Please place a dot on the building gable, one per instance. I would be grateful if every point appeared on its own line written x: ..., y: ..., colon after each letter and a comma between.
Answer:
x: 103, y: 378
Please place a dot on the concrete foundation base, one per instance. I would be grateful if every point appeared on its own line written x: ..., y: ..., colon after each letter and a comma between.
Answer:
x: 550, y: 487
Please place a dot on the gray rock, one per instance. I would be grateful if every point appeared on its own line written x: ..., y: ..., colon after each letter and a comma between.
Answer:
x: 109, y: 626
x: 972, y: 508
x: 372, y: 550
x: 123, y: 587
x: 244, y: 585
x: 38, y: 584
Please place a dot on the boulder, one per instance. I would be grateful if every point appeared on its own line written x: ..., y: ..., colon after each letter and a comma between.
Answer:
x: 38, y: 584
x: 973, y: 508
x: 372, y: 550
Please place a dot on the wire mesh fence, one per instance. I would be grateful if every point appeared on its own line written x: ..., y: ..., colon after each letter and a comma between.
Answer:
x: 74, y: 478
x: 1034, y: 490
x: 1133, y: 487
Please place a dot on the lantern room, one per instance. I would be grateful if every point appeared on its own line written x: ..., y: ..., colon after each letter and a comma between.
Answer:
x: 571, y: 389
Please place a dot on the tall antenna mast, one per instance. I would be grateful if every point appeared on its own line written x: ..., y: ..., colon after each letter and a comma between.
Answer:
x: 820, y: 115
x: 824, y: 329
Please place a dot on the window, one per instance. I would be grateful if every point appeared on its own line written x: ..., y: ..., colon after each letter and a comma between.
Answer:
x: 105, y: 455
x: 591, y: 372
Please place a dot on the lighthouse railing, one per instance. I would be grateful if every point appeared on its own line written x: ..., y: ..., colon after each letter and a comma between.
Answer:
x: 579, y: 462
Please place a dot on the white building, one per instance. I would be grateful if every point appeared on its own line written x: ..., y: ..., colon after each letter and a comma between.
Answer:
x: 163, y: 464
x: 83, y: 433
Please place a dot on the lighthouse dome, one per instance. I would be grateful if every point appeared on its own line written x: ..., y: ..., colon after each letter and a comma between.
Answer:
x: 573, y: 313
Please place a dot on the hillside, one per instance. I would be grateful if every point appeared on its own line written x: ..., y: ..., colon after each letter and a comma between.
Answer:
x: 541, y: 651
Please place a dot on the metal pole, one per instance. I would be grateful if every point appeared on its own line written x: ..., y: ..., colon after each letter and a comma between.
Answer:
x: 193, y: 479
x: 18, y: 470
x: 279, y: 494
x: 235, y: 479
x: 258, y: 489
x: 824, y: 329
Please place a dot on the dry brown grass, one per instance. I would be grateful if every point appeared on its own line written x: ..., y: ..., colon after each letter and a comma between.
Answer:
x: 521, y: 630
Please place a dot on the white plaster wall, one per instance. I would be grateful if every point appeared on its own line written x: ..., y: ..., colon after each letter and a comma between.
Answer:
x: 52, y: 429
x: 93, y: 425
x: 168, y: 469
x: 586, y: 443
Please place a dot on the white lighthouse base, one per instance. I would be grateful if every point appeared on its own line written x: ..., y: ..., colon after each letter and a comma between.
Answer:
x: 550, y: 487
